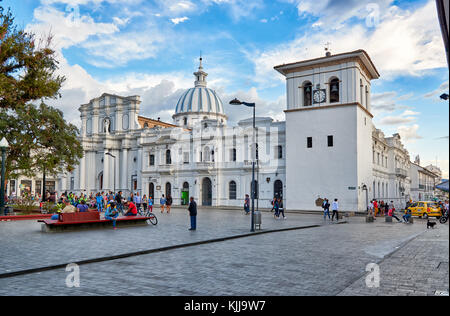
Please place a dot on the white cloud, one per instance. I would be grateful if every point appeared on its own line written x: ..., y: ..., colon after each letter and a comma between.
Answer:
x: 443, y: 88
x: 179, y: 20
x: 409, y: 133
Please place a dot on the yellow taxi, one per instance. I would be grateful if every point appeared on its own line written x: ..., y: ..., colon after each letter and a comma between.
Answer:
x: 425, y: 209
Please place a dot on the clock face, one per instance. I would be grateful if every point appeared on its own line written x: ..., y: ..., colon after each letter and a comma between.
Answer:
x: 319, y: 96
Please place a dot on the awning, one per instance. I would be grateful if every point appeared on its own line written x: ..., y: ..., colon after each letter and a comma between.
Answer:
x: 443, y: 186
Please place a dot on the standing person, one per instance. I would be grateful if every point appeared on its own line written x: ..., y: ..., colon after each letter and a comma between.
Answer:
x: 99, y: 200
x: 162, y: 202
x: 119, y: 201
x: 276, y: 207
x: 326, y: 209
x: 138, y: 200
x: 335, y: 209
x: 168, y: 203
x: 247, y: 204
x: 370, y: 208
x: 280, y: 207
x: 386, y: 208
x: 150, y: 204
x: 112, y: 213
x: 193, y: 213
x: 273, y: 203
x: 145, y: 202
x: 375, y: 207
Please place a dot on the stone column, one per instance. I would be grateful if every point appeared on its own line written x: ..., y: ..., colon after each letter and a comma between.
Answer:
x: 124, y: 172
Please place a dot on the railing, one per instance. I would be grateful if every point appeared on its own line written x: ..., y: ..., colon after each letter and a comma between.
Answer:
x: 401, y: 172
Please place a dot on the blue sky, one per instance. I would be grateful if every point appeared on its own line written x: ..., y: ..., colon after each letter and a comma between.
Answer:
x: 151, y: 48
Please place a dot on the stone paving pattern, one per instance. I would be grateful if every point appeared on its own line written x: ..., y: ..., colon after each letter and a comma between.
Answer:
x: 329, y: 260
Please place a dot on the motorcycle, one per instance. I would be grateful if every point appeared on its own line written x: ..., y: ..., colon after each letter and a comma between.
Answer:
x: 444, y: 218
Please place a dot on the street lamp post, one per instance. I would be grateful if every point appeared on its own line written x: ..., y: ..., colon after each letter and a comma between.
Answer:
x: 253, y: 105
x: 109, y: 154
x: 3, y: 146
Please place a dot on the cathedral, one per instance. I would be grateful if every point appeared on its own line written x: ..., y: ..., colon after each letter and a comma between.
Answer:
x: 327, y: 147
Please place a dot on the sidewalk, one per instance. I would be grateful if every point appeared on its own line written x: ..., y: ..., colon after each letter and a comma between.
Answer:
x: 419, y: 268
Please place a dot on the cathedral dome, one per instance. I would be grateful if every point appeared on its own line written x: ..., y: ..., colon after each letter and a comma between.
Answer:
x: 200, y: 100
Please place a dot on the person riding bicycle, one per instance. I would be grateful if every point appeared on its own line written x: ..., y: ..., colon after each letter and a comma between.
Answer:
x: 132, y: 209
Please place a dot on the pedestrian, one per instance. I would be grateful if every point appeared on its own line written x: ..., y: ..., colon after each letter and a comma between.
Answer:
x: 407, y: 216
x: 145, y: 202
x: 99, y: 200
x: 162, y: 202
x: 326, y: 209
x: 375, y: 207
x: 273, y: 203
x: 247, y: 204
x: 335, y: 209
x: 119, y: 201
x: 168, y: 203
x: 280, y: 208
x: 137, y: 200
x: 150, y: 204
x: 193, y: 213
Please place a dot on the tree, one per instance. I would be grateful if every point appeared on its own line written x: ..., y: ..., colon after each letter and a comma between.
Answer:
x: 39, y: 137
x: 27, y: 70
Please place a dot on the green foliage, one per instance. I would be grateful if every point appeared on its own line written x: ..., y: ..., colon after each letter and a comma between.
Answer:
x: 27, y: 69
x: 39, y: 137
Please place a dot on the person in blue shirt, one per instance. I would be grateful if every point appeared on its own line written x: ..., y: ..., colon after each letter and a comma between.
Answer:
x: 82, y: 207
x: 112, y: 213
x: 162, y: 202
x: 99, y: 200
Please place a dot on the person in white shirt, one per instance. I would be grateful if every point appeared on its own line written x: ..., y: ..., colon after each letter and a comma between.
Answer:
x: 335, y: 208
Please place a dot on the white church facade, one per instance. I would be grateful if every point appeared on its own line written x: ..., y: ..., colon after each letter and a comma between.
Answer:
x: 327, y: 147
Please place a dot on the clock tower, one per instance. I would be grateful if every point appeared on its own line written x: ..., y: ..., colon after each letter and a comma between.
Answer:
x: 329, y: 130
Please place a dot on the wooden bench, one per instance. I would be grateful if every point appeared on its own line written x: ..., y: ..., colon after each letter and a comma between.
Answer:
x: 88, y: 220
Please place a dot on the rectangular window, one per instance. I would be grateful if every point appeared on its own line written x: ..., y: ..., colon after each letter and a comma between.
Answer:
x: 233, y: 154
x: 186, y: 158
x: 309, y: 142
x: 280, y: 152
x: 330, y: 141
x: 152, y: 160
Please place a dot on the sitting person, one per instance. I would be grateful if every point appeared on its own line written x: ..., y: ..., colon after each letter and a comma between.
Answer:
x: 69, y: 208
x: 392, y: 213
x: 132, y: 209
x: 112, y: 213
x: 82, y: 207
x: 407, y: 216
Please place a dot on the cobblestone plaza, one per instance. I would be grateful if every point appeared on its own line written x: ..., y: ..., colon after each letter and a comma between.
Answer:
x: 317, y: 258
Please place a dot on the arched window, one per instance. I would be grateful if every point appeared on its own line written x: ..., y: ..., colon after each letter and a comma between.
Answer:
x: 168, y: 157
x: 307, y: 94
x: 334, y: 90
x: 232, y: 190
